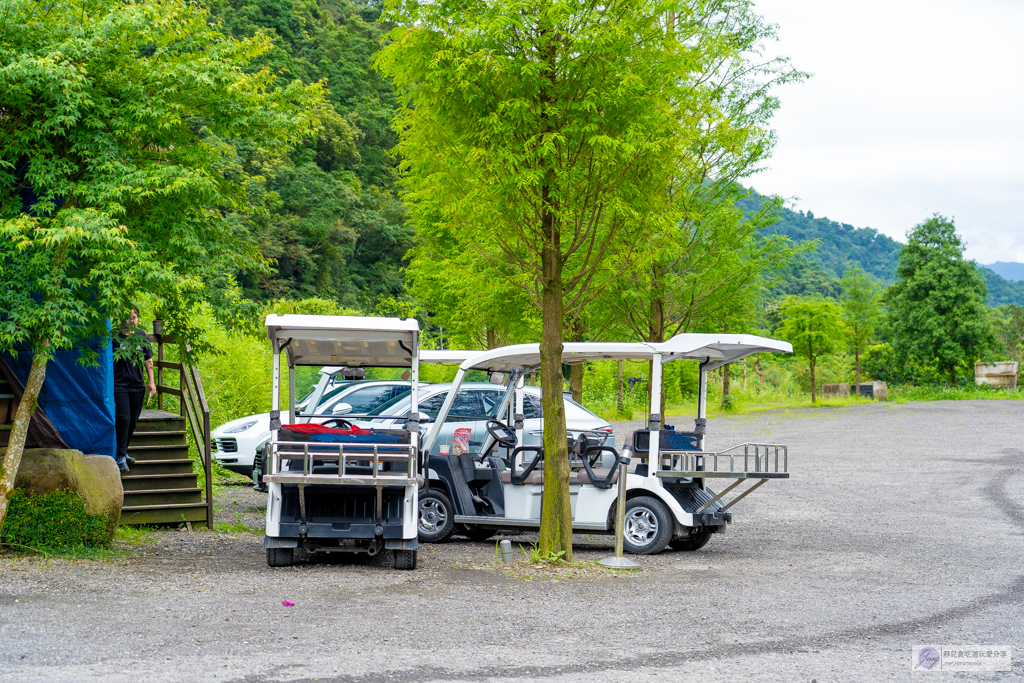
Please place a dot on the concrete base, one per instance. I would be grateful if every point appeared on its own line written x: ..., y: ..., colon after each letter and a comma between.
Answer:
x: 618, y: 563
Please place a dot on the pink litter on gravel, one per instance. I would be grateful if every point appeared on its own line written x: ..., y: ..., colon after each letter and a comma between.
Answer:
x: 288, y: 603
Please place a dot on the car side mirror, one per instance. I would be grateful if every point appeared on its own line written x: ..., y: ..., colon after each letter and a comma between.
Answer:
x: 424, y: 418
x: 497, y: 378
x: 341, y: 409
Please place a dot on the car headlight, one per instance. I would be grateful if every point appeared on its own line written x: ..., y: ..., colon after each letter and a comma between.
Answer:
x: 240, y: 428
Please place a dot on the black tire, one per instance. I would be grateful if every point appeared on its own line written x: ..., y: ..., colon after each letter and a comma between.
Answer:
x: 648, y: 526
x: 695, y: 541
x: 257, y: 470
x: 437, y: 517
x: 475, y: 533
x: 280, y: 557
x: 405, y: 559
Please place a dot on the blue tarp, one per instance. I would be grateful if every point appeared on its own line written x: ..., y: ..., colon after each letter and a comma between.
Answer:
x: 79, y: 400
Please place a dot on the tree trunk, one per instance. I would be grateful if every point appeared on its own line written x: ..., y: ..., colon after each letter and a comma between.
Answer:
x: 619, y: 404
x: 491, y: 341
x: 656, y: 334
x: 19, y: 431
x: 556, y: 511
x: 726, y: 379
x: 744, y: 374
x: 759, y: 371
x: 814, y: 385
x: 856, y: 366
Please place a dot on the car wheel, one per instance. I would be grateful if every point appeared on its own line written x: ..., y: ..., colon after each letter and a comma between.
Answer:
x: 695, y: 541
x: 648, y: 526
x: 437, y: 518
x: 280, y: 557
x: 475, y: 533
x: 405, y: 559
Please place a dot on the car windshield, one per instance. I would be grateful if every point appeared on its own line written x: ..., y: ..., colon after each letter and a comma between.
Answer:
x: 382, y: 409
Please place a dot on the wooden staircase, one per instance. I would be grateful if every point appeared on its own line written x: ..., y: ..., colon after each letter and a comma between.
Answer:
x: 162, y: 487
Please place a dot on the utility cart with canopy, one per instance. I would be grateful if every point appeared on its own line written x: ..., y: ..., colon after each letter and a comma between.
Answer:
x: 333, y: 487
x: 678, y: 495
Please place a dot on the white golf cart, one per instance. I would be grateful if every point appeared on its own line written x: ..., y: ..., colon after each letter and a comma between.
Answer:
x: 670, y: 501
x: 333, y: 487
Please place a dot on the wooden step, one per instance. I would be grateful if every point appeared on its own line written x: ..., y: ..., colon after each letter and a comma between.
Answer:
x: 163, y: 514
x: 170, y: 437
x: 159, y: 452
x: 162, y: 497
x: 155, y: 482
x: 162, y: 466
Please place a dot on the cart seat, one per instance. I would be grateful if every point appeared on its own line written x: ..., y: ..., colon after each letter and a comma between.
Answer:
x: 537, y: 477
x: 584, y: 478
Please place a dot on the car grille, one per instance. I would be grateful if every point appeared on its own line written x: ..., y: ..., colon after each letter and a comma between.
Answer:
x: 226, y: 445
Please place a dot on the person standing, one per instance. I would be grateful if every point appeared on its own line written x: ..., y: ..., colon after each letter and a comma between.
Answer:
x: 131, y: 353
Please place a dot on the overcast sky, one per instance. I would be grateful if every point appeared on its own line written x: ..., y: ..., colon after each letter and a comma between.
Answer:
x: 914, y: 107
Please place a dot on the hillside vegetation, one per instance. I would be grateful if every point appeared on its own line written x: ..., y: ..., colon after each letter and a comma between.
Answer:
x: 840, y: 245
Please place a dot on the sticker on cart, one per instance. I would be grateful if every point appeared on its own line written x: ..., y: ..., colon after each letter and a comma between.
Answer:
x: 460, y: 443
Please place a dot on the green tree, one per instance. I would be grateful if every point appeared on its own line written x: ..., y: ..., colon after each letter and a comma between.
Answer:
x: 936, y: 307
x: 115, y: 173
x: 329, y: 215
x: 545, y: 137
x: 815, y: 328
x: 862, y: 312
x: 1008, y: 323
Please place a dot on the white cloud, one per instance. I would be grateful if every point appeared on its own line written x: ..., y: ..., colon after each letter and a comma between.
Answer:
x: 914, y: 108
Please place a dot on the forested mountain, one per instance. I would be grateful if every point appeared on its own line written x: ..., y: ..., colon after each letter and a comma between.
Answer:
x: 328, y: 212
x: 840, y: 244
x: 1008, y: 270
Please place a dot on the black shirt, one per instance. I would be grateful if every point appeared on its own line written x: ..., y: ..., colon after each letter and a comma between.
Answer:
x: 128, y: 368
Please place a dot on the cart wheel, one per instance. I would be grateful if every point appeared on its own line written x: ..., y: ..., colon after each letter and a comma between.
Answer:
x: 475, y: 533
x: 648, y: 526
x: 437, y: 519
x: 405, y: 559
x: 695, y: 541
x: 280, y: 557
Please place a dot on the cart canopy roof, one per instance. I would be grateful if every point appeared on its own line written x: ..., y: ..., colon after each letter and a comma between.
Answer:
x: 352, y: 341
x: 717, y: 348
x: 446, y: 357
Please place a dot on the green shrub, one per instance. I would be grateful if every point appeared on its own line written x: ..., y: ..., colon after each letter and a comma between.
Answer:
x: 54, y: 522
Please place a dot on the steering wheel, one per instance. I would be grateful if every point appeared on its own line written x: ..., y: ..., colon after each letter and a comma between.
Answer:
x: 338, y: 423
x: 502, y: 433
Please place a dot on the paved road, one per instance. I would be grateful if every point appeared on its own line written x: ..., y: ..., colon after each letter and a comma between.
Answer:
x: 902, y: 525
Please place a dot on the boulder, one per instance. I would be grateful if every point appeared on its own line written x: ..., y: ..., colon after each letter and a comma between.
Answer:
x: 95, y: 477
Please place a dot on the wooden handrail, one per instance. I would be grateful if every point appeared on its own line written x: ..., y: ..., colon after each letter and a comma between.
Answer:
x: 192, y: 406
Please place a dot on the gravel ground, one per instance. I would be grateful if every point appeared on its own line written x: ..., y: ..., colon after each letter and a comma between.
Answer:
x: 902, y: 525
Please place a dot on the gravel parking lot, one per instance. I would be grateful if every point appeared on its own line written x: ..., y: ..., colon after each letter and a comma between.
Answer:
x: 902, y: 525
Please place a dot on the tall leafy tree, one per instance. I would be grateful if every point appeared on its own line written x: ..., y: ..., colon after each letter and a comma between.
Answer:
x: 862, y: 312
x: 544, y: 136
x: 329, y: 215
x: 1008, y: 323
x: 936, y: 307
x: 116, y: 175
x: 815, y: 328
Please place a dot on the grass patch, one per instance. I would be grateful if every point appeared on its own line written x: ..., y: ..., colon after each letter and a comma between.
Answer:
x: 908, y: 392
x: 54, y: 523
x: 134, y: 535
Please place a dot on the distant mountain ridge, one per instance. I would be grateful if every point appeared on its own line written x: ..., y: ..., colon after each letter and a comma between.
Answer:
x: 1008, y: 270
x: 840, y: 244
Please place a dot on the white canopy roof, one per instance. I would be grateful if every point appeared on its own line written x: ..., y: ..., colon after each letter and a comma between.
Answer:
x: 345, y: 340
x: 447, y: 357
x: 723, y: 348
x: 720, y: 349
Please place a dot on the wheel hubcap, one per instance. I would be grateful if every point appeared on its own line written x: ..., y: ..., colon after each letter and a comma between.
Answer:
x: 641, y: 526
x: 433, y: 516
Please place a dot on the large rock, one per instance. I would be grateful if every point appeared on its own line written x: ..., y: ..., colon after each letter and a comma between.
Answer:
x: 95, y: 477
